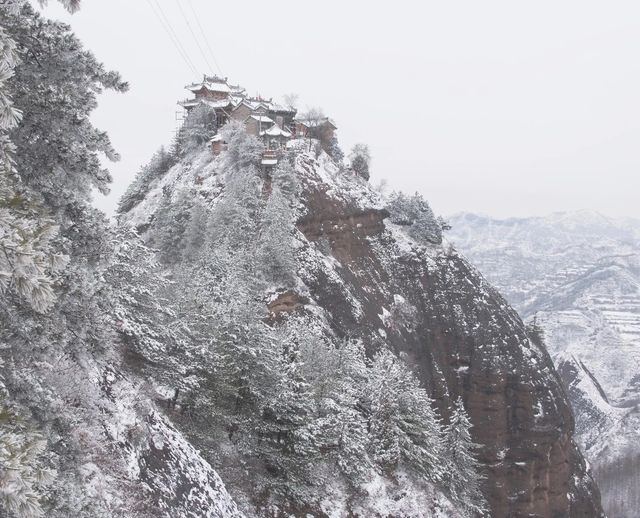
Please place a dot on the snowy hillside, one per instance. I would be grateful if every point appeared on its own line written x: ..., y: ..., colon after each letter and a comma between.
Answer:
x: 577, y: 275
x: 202, y: 180
x: 381, y: 328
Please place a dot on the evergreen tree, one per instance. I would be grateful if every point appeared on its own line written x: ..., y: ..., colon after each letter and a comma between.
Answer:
x: 338, y: 379
x: 57, y: 148
x: 144, y: 319
x: 23, y: 472
x: 195, y: 231
x: 56, y: 331
x: 335, y: 151
x: 463, y: 477
x: 145, y: 179
x: 425, y: 227
x: 276, y: 244
x: 29, y: 264
x: 170, y: 222
x: 243, y: 151
x: 360, y: 158
x: 199, y: 127
x: 287, y: 439
x: 276, y: 241
x: 25, y: 278
x: 403, y: 426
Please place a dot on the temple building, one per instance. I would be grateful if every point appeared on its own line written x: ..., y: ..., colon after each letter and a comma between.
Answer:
x: 268, y: 112
x: 274, y: 123
x: 256, y: 124
x: 322, y: 128
x: 276, y: 136
x: 217, y: 93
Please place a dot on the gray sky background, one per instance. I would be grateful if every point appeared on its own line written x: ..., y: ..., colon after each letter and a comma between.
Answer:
x: 500, y: 107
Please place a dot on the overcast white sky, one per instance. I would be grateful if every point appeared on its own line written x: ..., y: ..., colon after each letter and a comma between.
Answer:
x: 507, y: 108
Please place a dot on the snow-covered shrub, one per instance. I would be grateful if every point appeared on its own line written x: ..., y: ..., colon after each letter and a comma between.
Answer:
x: 199, y: 127
x: 415, y: 213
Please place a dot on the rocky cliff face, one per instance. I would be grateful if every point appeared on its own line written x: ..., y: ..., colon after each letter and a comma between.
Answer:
x: 363, y: 277
x: 466, y: 341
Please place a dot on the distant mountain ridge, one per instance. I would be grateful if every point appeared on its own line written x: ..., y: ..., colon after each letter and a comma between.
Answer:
x: 577, y: 275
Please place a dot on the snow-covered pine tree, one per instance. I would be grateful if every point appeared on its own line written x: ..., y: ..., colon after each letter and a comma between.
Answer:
x: 243, y: 150
x: 334, y: 151
x: 399, y: 209
x: 57, y: 147
x: 145, y: 179
x: 404, y: 428
x: 425, y: 228
x: 277, y: 243
x: 360, y: 159
x: 145, y: 320
x: 286, y: 444
x: 23, y: 473
x: 338, y: 377
x: 51, y: 359
x: 234, y: 218
x: 198, y: 128
x: 463, y: 477
x: 29, y: 265
x: 171, y: 220
x: 195, y: 231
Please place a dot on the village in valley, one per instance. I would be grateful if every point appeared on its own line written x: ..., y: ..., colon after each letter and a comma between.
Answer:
x: 275, y: 124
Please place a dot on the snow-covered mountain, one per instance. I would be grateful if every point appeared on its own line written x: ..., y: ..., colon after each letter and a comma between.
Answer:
x: 362, y: 274
x: 291, y: 344
x: 577, y: 276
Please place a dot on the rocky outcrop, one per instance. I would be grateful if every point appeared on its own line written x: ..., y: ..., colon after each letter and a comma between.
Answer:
x: 181, y: 483
x: 285, y: 302
x: 430, y: 306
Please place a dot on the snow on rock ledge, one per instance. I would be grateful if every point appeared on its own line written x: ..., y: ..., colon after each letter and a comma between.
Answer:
x: 182, y: 482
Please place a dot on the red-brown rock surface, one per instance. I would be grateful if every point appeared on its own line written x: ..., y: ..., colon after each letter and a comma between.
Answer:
x: 462, y: 339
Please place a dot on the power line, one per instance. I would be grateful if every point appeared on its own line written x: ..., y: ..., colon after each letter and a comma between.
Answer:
x: 186, y: 53
x: 173, y: 36
x: 176, y: 44
x: 204, y: 37
x: 193, y: 34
